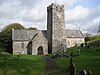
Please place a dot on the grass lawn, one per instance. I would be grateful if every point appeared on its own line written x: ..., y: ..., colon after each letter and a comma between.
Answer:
x: 25, y: 65
x: 89, y: 59
x: 35, y: 65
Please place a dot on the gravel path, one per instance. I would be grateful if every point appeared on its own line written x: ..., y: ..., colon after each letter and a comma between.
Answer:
x: 52, y: 67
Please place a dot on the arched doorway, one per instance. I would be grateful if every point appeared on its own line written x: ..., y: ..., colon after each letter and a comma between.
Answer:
x: 40, y: 50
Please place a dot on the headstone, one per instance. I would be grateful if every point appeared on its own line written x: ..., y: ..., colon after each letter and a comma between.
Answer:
x: 78, y: 51
x: 89, y: 72
x: 86, y: 72
x: 83, y: 72
x: 72, y: 67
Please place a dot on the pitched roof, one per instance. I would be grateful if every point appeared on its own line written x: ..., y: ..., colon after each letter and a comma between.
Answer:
x: 73, y: 33
x: 29, y: 34
x: 26, y: 34
x: 23, y: 34
x: 45, y: 33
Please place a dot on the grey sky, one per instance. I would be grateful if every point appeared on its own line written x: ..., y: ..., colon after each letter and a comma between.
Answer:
x: 33, y: 13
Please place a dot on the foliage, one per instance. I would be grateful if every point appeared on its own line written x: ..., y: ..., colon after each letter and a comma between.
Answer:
x: 6, y: 36
x: 95, y: 37
x: 6, y: 41
x: 57, y: 52
x: 31, y: 28
x: 94, y: 40
x: 9, y: 27
x: 87, y: 39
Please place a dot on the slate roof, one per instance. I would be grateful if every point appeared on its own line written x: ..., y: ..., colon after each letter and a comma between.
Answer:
x: 45, y: 33
x: 29, y: 34
x: 23, y: 34
x: 74, y: 33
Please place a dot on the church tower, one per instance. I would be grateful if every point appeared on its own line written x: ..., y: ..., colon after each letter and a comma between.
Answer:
x: 56, y: 28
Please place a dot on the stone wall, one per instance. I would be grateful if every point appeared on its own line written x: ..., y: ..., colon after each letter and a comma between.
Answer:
x: 56, y: 27
x: 26, y: 47
x: 38, y: 41
x: 71, y: 42
x: 20, y: 47
x: 49, y: 28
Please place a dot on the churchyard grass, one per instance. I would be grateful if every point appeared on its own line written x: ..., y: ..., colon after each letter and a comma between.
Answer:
x: 89, y: 59
x: 35, y: 65
x: 24, y: 65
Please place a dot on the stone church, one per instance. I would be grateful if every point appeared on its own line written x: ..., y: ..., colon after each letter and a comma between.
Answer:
x: 55, y: 38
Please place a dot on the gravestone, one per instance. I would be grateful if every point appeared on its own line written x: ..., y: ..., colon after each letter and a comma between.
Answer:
x: 72, y: 67
x: 78, y: 52
x: 83, y: 72
x: 86, y: 72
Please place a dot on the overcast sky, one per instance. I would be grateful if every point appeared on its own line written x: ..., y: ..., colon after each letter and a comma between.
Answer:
x: 79, y: 14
